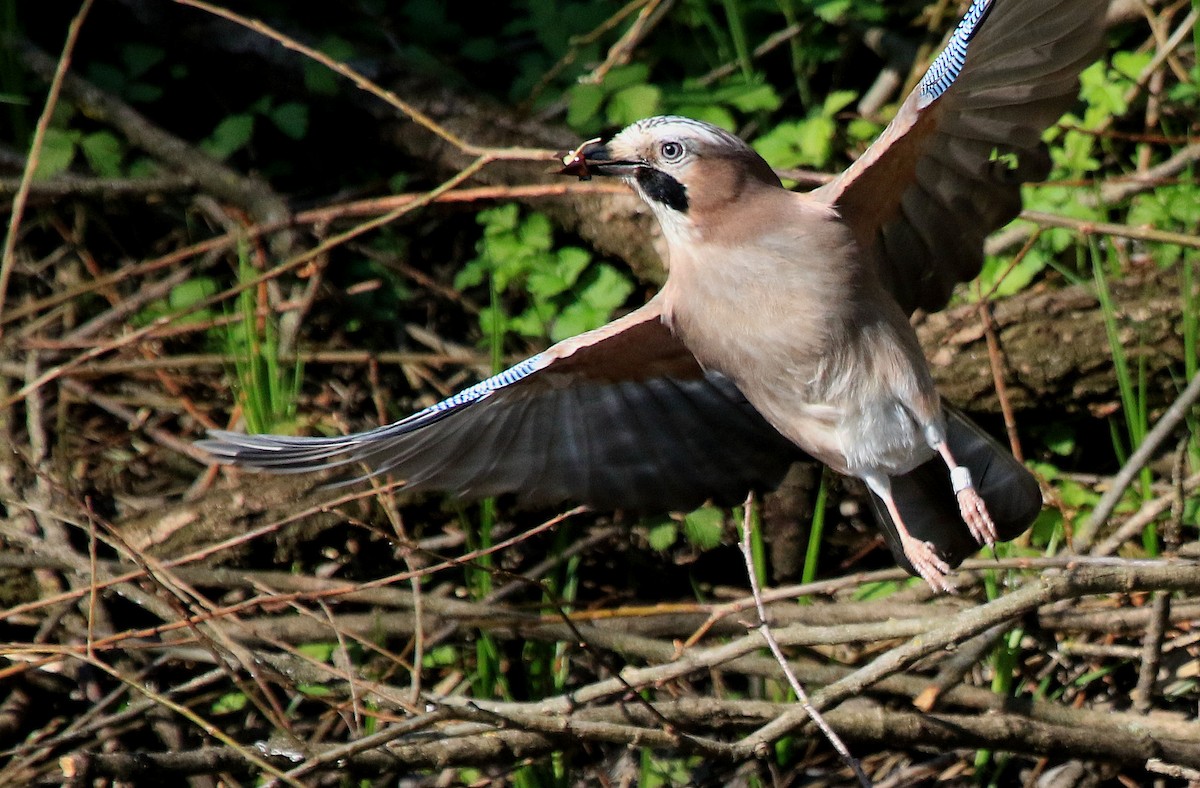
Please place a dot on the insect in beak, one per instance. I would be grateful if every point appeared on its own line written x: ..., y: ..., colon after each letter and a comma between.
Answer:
x: 575, y: 163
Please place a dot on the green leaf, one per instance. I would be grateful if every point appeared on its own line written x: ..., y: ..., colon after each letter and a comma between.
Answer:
x: 704, y: 527
x: 755, y: 98
x: 549, y: 281
x: 1131, y: 64
x: 231, y: 135
x: 607, y: 288
x: 103, y: 152
x: 441, y: 657
x: 58, y: 151
x: 322, y: 652
x: 576, y: 318
x: 633, y: 103
x: 836, y: 101
x: 314, y: 690
x: 863, y: 130
x: 528, y: 324
x: 1059, y: 439
x: 481, y: 50
x: 625, y: 76
x: 472, y: 274
x: 807, y: 142
x: 230, y: 703
x: 140, y: 58
x: 536, y: 233
x: 291, y: 118
x: 584, y: 104
x: 832, y: 11
x: 191, y: 292
x: 662, y: 535
x: 709, y: 113
x: 1016, y: 278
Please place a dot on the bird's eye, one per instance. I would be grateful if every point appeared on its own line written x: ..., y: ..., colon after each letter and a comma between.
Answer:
x: 671, y: 151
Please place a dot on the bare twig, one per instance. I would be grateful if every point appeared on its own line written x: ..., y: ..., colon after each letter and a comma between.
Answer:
x: 1160, y: 432
x: 7, y: 256
x: 764, y: 628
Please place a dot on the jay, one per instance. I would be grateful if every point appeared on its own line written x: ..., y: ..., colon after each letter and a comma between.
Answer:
x: 782, y: 328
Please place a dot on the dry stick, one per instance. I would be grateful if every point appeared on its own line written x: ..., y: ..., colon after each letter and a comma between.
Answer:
x: 1138, y: 521
x: 194, y: 556
x: 293, y: 263
x: 130, y: 417
x: 8, y: 255
x: 1108, y: 228
x: 996, y: 362
x: 770, y: 43
x: 247, y: 753
x: 620, y: 52
x: 574, y: 44
x: 1092, y: 580
x: 367, y: 207
x: 765, y: 629
x: 183, y: 599
x: 1159, y: 766
x: 68, y: 185
x: 91, y: 721
x: 1152, y: 651
x: 218, y: 612
x: 1161, y: 431
x: 466, y: 744
x: 333, y: 755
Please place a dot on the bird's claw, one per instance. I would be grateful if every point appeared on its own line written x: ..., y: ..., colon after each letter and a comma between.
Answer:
x: 924, y: 558
x: 975, y: 515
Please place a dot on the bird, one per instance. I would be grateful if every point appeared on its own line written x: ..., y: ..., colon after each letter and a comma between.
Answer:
x: 782, y: 330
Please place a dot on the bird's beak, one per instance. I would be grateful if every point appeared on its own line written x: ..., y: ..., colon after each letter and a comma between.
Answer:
x: 594, y: 158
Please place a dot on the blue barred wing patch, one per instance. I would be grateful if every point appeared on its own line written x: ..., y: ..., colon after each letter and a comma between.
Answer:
x: 485, y: 388
x: 949, y: 64
x: 285, y: 454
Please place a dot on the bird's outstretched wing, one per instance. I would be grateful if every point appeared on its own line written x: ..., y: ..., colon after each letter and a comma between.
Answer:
x: 619, y: 417
x: 947, y: 171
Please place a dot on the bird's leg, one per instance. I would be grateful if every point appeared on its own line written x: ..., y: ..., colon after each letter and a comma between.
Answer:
x: 970, y: 502
x: 921, y: 554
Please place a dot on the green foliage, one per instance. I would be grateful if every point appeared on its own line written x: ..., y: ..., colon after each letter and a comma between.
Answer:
x: 1133, y: 395
x: 266, y: 389
x: 181, y: 299
x: 812, y: 553
x: 133, y: 79
x: 703, y: 528
x: 236, y: 131
x: 565, y: 292
x: 230, y: 703
x: 807, y: 142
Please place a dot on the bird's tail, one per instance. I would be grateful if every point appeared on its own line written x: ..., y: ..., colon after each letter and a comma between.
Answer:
x: 930, y: 508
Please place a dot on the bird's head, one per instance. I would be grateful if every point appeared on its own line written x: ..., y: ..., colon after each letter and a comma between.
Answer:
x: 683, y: 168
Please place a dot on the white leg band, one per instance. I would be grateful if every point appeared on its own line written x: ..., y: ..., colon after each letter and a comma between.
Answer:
x: 960, y: 478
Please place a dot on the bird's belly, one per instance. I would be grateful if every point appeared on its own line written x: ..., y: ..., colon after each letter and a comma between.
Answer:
x: 879, y: 436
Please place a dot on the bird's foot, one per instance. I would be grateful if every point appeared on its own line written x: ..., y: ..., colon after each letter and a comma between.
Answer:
x: 975, y: 515
x: 924, y: 558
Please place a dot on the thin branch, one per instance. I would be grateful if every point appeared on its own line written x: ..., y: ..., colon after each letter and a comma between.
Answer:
x: 7, y: 257
x: 764, y: 629
x: 1116, y: 490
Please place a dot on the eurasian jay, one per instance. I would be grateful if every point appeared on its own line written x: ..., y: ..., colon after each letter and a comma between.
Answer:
x: 782, y: 328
